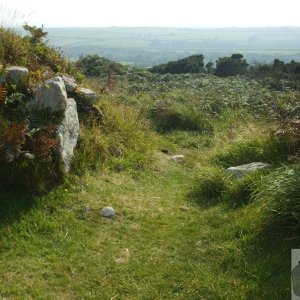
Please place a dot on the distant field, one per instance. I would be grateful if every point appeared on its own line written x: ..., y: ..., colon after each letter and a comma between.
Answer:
x: 150, y: 46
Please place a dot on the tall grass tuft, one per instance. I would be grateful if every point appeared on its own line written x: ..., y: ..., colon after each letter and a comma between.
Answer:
x: 119, y: 140
x: 279, y: 196
x: 167, y: 116
x: 209, y: 185
x: 266, y: 149
x: 213, y: 185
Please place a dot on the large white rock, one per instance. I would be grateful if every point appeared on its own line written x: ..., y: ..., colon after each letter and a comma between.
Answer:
x: 242, y: 170
x: 14, y: 74
x: 68, y: 132
x: 51, y: 95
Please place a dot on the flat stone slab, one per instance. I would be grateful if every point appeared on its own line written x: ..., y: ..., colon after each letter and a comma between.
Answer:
x: 242, y: 170
x: 177, y: 158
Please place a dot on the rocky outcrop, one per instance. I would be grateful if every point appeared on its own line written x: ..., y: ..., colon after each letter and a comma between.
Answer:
x: 68, y: 132
x: 14, y: 74
x: 50, y: 95
x: 242, y: 170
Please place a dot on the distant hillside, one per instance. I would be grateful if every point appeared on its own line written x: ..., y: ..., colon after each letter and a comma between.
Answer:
x: 147, y: 47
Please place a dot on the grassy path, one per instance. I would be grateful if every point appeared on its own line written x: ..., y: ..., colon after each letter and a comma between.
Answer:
x: 160, y: 245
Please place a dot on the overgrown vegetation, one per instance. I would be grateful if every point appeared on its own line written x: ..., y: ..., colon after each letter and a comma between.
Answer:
x: 186, y: 230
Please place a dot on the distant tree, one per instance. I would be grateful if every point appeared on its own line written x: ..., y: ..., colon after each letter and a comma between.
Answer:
x: 209, y: 67
x: 191, y: 64
x: 231, y: 66
x: 237, y: 56
x: 95, y: 65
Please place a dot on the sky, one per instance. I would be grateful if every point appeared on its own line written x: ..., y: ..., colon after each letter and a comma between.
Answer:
x: 151, y: 13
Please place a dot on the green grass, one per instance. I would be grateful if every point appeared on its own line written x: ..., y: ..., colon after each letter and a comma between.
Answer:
x: 160, y: 245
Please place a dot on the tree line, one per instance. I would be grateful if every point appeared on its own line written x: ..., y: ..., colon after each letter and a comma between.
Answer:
x: 232, y: 65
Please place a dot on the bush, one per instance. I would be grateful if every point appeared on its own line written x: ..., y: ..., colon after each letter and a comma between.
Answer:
x: 97, y: 66
x: 191, y: 64
x: 231, y: 66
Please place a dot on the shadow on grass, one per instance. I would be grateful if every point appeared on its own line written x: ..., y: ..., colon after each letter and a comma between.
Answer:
x: 14, y: 203
x: 268, y: 261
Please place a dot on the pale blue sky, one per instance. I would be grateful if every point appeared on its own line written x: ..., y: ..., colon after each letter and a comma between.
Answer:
x: 168, y: 13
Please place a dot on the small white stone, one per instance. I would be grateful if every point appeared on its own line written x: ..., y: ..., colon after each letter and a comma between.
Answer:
x: 108, y: 212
